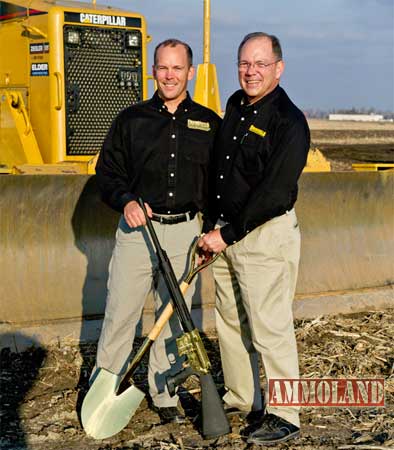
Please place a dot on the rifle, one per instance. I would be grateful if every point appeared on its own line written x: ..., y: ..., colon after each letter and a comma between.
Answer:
x: 113, y: 399
x: 214, y: 421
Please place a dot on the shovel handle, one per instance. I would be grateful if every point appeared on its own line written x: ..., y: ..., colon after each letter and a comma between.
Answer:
x: 169, y: 309
x: 165, y: 316
x: 150, y: 339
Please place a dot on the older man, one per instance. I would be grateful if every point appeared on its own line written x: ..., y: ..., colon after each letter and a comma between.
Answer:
x: 260, y: 153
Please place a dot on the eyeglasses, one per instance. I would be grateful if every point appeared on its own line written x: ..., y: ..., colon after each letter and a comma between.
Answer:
x: 243, y: 66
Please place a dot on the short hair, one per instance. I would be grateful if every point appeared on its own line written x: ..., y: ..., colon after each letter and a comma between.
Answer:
x: 173, y: 43
x: 276, y: 47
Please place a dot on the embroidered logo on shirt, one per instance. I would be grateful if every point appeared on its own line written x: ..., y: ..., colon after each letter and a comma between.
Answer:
x: 198, y: 125
x: 256, y: 130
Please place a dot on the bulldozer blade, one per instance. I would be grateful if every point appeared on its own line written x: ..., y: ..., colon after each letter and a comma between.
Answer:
x: 104, y: 413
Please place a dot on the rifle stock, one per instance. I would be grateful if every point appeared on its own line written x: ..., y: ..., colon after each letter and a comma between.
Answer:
x: 214, y: 421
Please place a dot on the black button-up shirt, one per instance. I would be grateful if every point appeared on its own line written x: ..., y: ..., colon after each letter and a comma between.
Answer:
x: 158, y: 156
x: 260, y: 153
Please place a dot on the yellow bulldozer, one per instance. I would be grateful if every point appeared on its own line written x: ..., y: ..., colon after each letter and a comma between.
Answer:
x: 66, y: 70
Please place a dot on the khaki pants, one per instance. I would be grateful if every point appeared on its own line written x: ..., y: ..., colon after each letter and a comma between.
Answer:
x: 255, y: 284
x: 133, y: 273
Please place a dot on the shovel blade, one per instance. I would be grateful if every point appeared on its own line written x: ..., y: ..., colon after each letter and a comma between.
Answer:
x: 104, y: 413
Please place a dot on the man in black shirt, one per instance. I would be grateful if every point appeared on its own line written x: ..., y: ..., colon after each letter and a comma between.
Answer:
x: 158, y: 150
x: 260, y: 153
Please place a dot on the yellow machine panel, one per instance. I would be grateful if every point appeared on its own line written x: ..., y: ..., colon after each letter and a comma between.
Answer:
x: 373, y: 167
x: 78, y: 66
x: 17, y: 138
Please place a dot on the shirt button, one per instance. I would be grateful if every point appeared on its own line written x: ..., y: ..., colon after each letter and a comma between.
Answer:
x: 173, y: 117
x: 173, y: 136
x: 227, y: 156
x: 170, y: 194
x: 254, y: 112
x: 168, y: 212
x: 221, y: 215
x: 218, y: 196
x: 242, y: 118
x: 235, y: 138
x: 185, y: 109
x: 171, y: 175
x: 172, y: 155
x: 221, y: 177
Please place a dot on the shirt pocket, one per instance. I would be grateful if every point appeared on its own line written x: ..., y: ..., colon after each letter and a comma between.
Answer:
x: 251, y: 154
x: 196, y: 146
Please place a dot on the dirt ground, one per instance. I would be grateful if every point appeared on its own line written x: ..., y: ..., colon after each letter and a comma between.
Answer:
x: 41, y: 392
x: 346, y: 143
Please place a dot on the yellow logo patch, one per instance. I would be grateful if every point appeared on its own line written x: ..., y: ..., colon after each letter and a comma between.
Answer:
x: 256, y: 130
x: 198, y: 125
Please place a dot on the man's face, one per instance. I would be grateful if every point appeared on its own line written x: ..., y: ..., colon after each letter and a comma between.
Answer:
x: 259, y: 70
x: 172, y: 72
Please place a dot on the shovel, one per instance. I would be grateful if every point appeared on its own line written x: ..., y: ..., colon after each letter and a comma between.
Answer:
x: 109, y: 404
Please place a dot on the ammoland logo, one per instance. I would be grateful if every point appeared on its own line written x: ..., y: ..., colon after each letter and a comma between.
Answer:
x: 326, y: 392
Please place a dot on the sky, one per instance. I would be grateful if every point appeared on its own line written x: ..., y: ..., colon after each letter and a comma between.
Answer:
x: 338, y: 53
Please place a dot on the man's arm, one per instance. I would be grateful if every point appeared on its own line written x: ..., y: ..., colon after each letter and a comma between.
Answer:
x: 208, y: 219
x: 112, y: 168
x: 273, y: 195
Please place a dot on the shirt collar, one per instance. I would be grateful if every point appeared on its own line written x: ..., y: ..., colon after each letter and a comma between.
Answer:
x: 158, y: 102
x: 260, y: 103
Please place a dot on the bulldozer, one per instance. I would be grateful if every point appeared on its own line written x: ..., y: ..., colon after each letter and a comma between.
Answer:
x: 66, y: 69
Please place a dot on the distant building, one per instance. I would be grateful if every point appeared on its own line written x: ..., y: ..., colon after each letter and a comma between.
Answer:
x: 357, y: 117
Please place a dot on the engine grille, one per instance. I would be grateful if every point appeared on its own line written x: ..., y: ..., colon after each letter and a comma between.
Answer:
x: 102, y: 76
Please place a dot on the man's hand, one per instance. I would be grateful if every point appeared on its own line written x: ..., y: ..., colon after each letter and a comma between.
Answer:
x: 203, y: 256
x: 212, y: 242
x: 134, y: 215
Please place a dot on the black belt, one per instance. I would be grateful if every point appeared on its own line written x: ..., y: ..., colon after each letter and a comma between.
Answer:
x: 173, y: 218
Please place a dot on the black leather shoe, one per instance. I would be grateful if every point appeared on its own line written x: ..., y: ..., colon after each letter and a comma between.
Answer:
x: 255, y: 416
x: 273, y: 430
x: 170, y: 414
